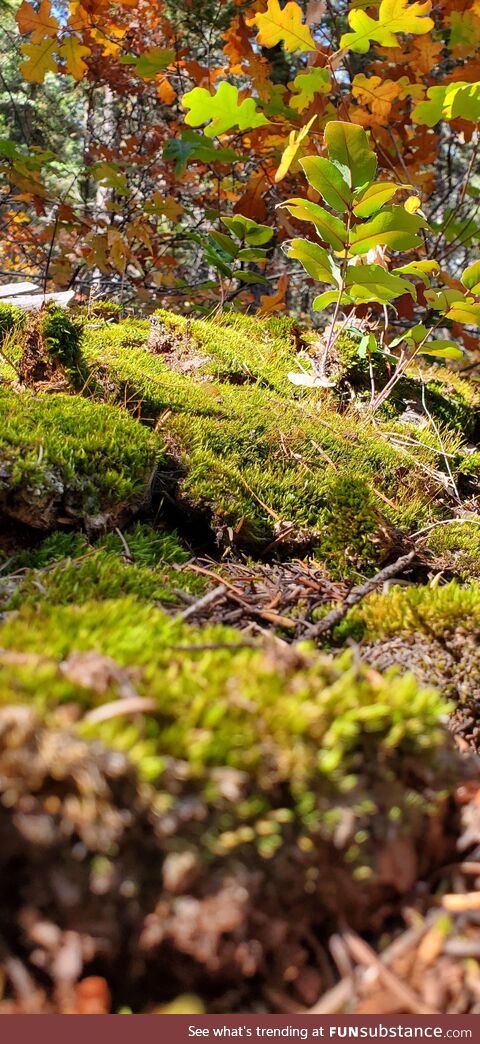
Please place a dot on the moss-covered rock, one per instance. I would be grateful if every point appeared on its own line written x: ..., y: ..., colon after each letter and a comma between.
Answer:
x: 282, y: 467
x: 66, y: 460
x: 306, y: 734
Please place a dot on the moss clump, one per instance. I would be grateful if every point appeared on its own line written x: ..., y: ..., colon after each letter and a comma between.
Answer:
x: 65, y: 459
x: 433, y: 612
x: 65, y: 569
x: 11, y: 318
x: 108, y: 310
x: 261, y: 464
x: 456, y: 547
x: 51, y: 343
x: 298, y: 724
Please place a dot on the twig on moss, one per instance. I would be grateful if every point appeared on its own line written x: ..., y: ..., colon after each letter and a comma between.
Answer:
x: 204, y: 602
x: 446, y: 522
x: 357, y: 594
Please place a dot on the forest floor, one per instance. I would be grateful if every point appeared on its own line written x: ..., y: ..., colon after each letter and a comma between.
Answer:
x: 239, y: 674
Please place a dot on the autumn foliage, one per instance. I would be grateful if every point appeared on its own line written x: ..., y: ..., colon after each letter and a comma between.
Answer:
x: 187, y: 113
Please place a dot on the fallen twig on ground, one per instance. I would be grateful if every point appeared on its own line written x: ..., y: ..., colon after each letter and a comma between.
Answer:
x: 357, y: 594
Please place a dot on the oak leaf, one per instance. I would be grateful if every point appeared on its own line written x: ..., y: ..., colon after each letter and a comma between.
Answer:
x: 377, y: 94
x: 39, y: 23
x: 394, y: 16
x: 308, y: 84
x: 39, y: 60
x: 221, y: 110
x: 73, y: 52
x: 274, y: 302
x: 285, y: 25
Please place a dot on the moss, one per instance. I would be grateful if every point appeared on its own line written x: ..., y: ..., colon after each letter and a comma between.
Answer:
x: 258, y: 463
x: 456, y: 547
x: 11, y: 317
x: 452, y: 400
x: 65, y: 459
x: 65, y: 569
x: 238, y: 348
x: 433, y: 612
x: 62, y: 336
x: 302, y: 726
x: 107, y: 310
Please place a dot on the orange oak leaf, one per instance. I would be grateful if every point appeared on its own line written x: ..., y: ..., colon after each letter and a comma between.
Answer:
x: 39, y: 23
x: 274, y: 302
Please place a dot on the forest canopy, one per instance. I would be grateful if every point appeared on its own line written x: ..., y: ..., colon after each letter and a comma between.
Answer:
x: 131, y: 132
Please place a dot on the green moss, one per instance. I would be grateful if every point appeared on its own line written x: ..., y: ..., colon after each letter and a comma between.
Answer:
x: 432, y: 612
x: 302, y: 727
x: 258, y: 462
x: 11, y: 317
x: 67, y: 458
x: 65, y: 569
x: 237, y: 347
x: 62, y: 336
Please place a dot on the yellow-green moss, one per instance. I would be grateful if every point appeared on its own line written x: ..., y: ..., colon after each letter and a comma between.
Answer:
x: 456, y: 547
x: 64, y: 457
x: 302, y: 726
x: 237, y: 347
x: 415, y: 609
x: 258, y: 462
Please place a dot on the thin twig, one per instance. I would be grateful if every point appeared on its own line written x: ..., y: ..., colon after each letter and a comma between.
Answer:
x: 358, y: 593
x: 204, y: 602
x: 445, y: 522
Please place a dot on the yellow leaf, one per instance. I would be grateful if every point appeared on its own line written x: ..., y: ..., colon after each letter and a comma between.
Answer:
x: 39, y: 60
x: 39, y: 23
x: 286, y: 25
x: 109, y: 45
x: 377, y: 94
x: 288, y: 155
x: 394, y: 16
x: 412, y: 204
x: 73, y: 52
x: 118, y: 249
x: 79, y: 18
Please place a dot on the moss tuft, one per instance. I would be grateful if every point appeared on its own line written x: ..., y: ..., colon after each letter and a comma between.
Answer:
x: 430, y: 611
x: 11, y: 318
x: 301, y: 725
x: 65, y: 459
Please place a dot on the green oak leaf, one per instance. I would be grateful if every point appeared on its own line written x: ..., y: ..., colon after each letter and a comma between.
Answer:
x: 221, y: 111
x: 308, y: 84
